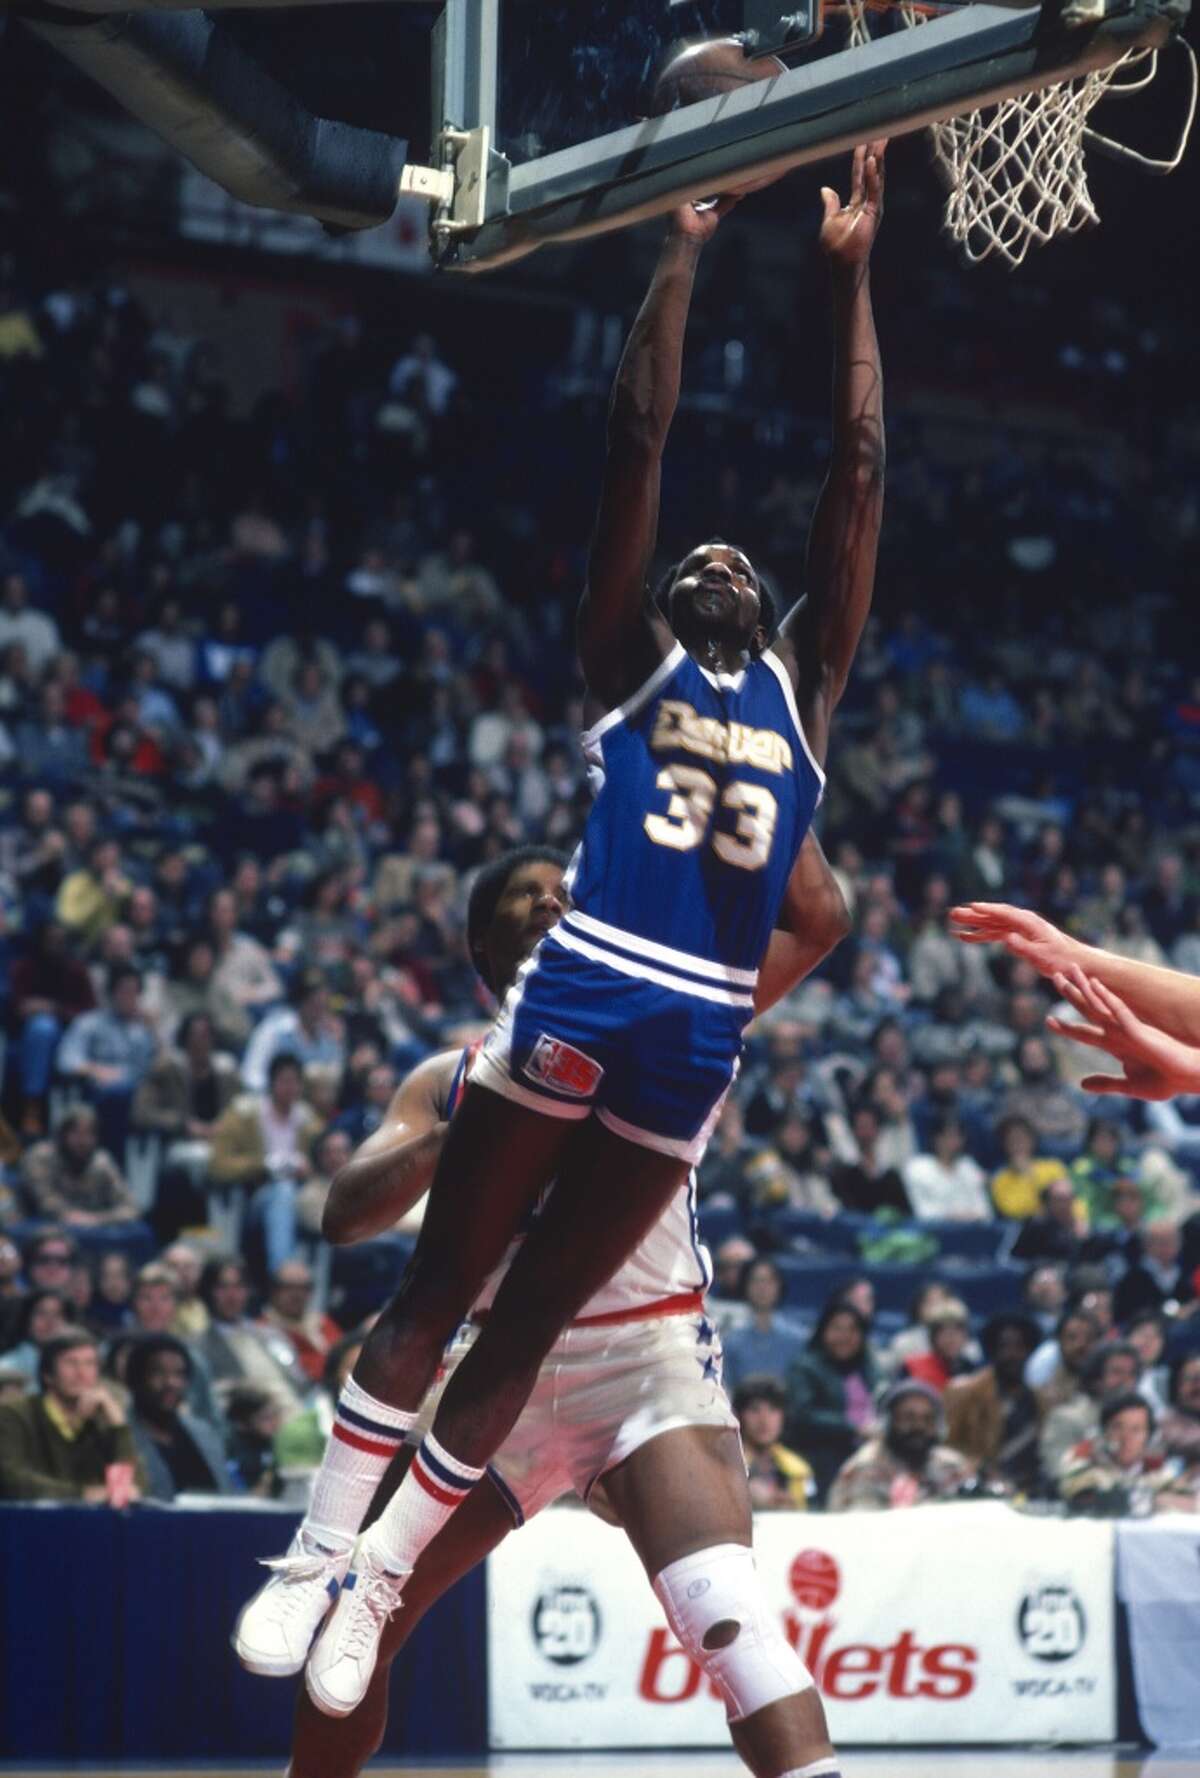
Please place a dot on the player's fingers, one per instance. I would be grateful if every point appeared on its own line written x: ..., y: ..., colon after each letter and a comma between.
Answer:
x: 1105, y: 1083
x: 830, y: 202
x: 1081, y: 1004
x: 1073, y: 985
x: 1090, y: 1000
x: 1113, y: 1006
x: 856, y: 174
x: 1089, y: 1035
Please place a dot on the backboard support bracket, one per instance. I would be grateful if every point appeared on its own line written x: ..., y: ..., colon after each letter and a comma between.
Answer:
x: 472, y: 178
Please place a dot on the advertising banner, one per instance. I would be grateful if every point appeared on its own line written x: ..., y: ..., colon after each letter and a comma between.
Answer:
x: 964, y: 1623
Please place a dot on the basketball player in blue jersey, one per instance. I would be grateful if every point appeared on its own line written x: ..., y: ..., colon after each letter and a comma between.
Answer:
x: 615, y: 1048
x: 628, y: 1410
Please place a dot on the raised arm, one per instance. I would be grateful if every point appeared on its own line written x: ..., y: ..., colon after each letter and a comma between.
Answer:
x: 394, y: 1167
x: 819, y: 637
x: 621, y: 638
x: 813, y: 921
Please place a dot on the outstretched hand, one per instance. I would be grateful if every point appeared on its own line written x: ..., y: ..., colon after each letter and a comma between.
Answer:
x: 848, y: 232
x: 1154, y: 1066
x: 700, y: 223
x: 1021, y: 932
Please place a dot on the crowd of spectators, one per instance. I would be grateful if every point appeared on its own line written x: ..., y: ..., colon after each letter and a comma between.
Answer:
x: 273, y: 685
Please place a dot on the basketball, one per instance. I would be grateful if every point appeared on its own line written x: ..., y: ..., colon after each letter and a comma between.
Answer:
x: 706, y: 70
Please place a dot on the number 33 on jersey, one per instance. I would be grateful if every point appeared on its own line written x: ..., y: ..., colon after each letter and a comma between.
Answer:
x: 705, y: 788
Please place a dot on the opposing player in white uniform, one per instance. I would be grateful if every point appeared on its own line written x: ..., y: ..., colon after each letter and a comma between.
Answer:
x: 628, y: 1411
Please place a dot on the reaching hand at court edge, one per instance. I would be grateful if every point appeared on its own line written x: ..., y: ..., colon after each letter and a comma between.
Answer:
x: 1022, y: 933
x: 848, y: 232
x: 1154, y: 1066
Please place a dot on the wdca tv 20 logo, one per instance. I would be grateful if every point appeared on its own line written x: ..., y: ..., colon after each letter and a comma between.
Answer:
x: 566, y: 1623
x: 1051, y: 1622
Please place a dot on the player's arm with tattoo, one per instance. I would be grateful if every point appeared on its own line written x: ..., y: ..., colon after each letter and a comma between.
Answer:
x: 621, y: 638
x: 813, y: 921
x: 389, y: 1172
x: 819, y: 637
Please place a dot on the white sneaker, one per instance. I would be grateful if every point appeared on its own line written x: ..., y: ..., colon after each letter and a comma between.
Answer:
x: 275, y: 1631
x: 340, y: 1666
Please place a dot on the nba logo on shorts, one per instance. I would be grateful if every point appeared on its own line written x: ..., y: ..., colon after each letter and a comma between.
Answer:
x: 562, y: 1069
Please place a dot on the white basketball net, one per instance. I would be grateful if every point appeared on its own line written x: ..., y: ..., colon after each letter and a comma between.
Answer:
x: 1015, y: 172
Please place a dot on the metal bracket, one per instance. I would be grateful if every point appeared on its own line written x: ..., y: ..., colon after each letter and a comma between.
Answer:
x: 430, y: 183
x: 458, y: 189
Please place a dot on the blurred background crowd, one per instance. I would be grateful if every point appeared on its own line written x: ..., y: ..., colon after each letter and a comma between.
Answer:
x: 278, y: 674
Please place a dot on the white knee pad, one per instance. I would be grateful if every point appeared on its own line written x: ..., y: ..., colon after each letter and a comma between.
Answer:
x: 720, y: 1586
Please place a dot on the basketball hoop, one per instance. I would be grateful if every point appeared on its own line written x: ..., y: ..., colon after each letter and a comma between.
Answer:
x: 1015, y: 172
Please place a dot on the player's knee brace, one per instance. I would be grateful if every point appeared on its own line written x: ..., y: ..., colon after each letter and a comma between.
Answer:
x: 714, y: 1604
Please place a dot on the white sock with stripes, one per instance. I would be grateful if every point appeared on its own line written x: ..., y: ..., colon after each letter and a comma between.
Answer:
x: 366, y: 1436
x: 436, y: 1484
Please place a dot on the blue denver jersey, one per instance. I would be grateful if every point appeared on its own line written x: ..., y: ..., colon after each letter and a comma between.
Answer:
x: 705, y: 788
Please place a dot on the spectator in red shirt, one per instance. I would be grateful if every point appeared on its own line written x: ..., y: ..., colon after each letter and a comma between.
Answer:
x: 949, y: 1332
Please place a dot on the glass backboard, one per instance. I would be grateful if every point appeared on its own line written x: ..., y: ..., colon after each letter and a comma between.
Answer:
x: 557, y: 95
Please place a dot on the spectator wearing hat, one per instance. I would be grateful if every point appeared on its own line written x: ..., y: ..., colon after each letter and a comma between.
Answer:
x: 62, y: 1443
x: 949, y: 1336
x: 993, y: 1417
x: 906, y: 1464
x: 179, y: 1452
x: 779, y: 1478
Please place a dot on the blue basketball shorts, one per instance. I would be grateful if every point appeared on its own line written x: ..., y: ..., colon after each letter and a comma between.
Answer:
x: 576, y: 1036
